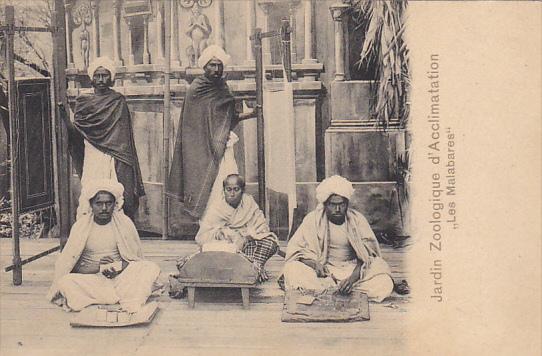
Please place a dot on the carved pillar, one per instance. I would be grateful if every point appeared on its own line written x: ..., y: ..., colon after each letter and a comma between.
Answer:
x: 131, y: 57
x: 146, y: 53
x: 292, y: 10
x: 175, y: 57
x: 117, y: 54
x: 94, y: 5
x: 219, y: 24
x: 250, y: 26
x: 266, y: 44
x: 69, y: 41
x: 158, y: 20
x: 337, y: 11
x: 308, y: 16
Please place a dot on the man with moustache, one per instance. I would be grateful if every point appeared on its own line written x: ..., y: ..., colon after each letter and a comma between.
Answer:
x: 336, y: 248
x: 102, y: 262
x: 101, y: 137
x: 203, y: 154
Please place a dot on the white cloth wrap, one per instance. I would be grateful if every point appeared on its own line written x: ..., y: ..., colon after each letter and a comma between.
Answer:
x: 97, y: 165
x: 216, y: 52
x: 334, y: 185
x: 227, y: 166
x: 91, y: 187
x: 105, y: 62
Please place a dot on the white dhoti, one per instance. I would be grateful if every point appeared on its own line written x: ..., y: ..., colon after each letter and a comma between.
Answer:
x: 97, y: 165
x: 375, y: 282
x: 131, y: 288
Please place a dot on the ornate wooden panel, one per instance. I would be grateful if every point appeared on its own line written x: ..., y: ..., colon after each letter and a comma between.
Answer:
x: 34, y: 164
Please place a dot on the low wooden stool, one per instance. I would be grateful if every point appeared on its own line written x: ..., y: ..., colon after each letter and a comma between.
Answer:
x: 218, y: 270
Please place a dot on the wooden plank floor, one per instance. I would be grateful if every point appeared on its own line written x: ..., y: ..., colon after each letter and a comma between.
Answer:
x: 29, y: 325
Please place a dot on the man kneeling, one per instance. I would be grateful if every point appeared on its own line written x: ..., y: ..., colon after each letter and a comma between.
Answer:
x: 336, y: 247
x: 236, y: 224
x: 102, y: 262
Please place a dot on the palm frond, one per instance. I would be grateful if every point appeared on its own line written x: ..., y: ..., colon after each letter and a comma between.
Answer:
x: 385, y: 48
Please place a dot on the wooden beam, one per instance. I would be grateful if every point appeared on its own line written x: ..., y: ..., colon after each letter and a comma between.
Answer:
x: 166, y: 121
x: 59, y: 76
x: 260, y: 139
x: 12, y: 92
x: 33, y: 258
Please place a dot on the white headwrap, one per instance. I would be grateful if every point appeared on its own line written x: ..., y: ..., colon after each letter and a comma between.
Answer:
x: 91, y: 187
x: 216, y: 52
x: 334, y: 185
x: 126, y: 234
x: 102, y: 62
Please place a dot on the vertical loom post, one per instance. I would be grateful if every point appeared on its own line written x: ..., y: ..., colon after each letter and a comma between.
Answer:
x: 166, y: 118
x: 12, y: 91
x: 63, y: 158
x: 257, y: 48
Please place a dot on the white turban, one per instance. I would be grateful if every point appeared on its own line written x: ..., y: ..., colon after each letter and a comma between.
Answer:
x: 216, y: 52
x: 334, y: 185
x: 101, y: 62
x: 91, y: 187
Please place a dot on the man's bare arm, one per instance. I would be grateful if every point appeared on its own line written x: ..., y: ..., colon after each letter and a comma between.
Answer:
x: 321, y: 270
x: 64, y: 115
x: 249, y: 115
x: 111, y: 272
x: 346, y: 285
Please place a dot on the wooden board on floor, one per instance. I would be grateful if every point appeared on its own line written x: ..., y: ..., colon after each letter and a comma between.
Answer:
x: 329, y: 306
x: 31, y: 325
x: 105, y: 317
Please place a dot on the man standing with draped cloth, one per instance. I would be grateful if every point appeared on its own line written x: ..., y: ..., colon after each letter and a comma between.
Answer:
x: 203, y: 154
x: 101, y: 138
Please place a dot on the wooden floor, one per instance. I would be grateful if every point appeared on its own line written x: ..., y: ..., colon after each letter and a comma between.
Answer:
x: 29, y: 325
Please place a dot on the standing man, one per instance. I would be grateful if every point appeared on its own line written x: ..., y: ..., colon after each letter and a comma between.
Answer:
x: 101, y: 137
x: 203, y: 154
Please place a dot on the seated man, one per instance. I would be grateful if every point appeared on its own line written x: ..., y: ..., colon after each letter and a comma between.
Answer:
x: 235, y: 224
x: 102, y: 262
x: 335, y: 247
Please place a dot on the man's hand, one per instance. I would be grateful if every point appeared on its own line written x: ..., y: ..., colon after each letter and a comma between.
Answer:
x: 320, y: 269
x: 62, y: 109
x: 229, y: 234
x: 110, y: 272
x: 249, y: 233
x: 63, y: 113
x: 346, y: 285
x: 239, y: 243
x: 250, y: 115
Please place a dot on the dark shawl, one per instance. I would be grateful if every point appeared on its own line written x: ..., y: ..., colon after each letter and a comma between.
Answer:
x: 104, y: 121
x: 208, y: 115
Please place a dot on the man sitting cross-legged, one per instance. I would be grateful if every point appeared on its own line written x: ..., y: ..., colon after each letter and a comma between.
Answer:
x: 236, y: 223
x: 336, y: 247
x: 102, y: 262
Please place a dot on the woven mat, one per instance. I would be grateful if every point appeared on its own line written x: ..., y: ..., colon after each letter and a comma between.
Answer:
x: 330, y: 306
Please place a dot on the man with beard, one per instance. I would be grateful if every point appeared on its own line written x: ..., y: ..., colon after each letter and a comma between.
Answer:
x: 101, y: 137
x: 336, y: 248
x: 203, y: 154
